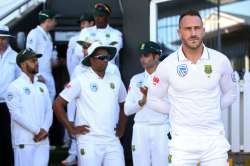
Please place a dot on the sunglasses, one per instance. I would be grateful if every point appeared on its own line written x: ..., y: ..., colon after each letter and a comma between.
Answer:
x: 103, y: 57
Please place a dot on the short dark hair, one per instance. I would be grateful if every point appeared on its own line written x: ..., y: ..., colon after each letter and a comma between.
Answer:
x: 189, y: 13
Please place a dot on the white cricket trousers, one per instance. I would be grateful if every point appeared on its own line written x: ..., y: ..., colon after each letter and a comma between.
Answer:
x: 150, y: 144
x: 206, y: 150
x: 31, y: 155
x: 91, y: 154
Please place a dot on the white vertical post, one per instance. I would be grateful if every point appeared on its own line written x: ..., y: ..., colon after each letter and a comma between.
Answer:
x: 153, y: 21
x: 235, y: 120
x: 246, y: 113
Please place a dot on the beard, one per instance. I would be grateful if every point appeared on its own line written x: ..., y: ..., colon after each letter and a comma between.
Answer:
x: 32, y: 70
x: 192, y: 43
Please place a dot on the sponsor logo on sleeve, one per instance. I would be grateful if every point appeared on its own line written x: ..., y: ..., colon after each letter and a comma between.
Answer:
x: 233, y: 77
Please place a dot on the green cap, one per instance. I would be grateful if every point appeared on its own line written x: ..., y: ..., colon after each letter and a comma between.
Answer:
x: 46, y: 14
x: 86, y: 17
x: 102, y: 9
x: 149, y: 47
x: 25, y: 55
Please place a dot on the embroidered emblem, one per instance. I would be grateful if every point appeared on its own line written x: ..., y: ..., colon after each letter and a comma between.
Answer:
x: 41, y: 89
x: 112, y: 85
x: 21, y: 146
x: 93, y: 34
x: 26, y: 91
x: 82, y: 152
x: 9, y: 96
x: 182, y: 70
x: 156, y: 80
x: 142, y: 46
x: 233, y: 77
x: 133, y: 148
x: 208, y: 69
x: 93, y: 87
x: 107, y: 35
x: 169, y: 158
x: 139, y: 84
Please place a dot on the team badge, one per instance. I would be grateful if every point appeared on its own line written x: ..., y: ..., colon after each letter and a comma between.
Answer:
x: 21, y: 146
x: 44, y: 38
x: 41, y: 89
x: 26, y: 91
x: 133, y: 148
x: 30, y: 41
x: 107, y: 35
x: 182, y: 70
x: 92, y: 34
x: 139, y: 84
x: 82, y: 152
x: 9, y: 96
x: 233, y: 77
x: 208, y: 69
x: 93, y: 87
x: 142, y: 46
x: 112, y: 85
x: 169, y: 158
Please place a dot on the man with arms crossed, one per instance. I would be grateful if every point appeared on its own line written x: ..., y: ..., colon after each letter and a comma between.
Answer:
x: 31, y: 113
x: 97, y: 93
x: 200, y: 83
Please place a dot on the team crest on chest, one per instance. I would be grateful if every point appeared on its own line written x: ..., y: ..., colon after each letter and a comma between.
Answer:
x: 139, y: 84
x: 107, y: 35
x: 93, y: 87
x: 26, y: 91
x: 182, y: 70
x: 112, y: 85
x: 41, y: 89
x: 208, y: 69
x: 92, y: 34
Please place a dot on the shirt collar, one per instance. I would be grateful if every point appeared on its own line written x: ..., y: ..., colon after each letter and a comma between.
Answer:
x: 25, y: 77
x: 42, y: 30
x: 107, y: 27
x: 182, y: 57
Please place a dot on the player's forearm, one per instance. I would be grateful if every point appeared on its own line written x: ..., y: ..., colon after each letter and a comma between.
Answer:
x: 58, y: 109
x: 131, y: 108
x: 228, y: 98
x: 158, y: 105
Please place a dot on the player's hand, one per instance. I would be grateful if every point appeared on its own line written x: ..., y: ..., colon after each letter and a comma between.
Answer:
x: 40, y: 136
x: 144, y: 91
x: 40, y: 78
x: 119, y: 131
x: 75, y: 130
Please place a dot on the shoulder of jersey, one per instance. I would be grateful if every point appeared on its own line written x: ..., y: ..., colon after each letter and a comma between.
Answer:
x: 214, y: 54
x: 115, y: 31
x: 136, y: 76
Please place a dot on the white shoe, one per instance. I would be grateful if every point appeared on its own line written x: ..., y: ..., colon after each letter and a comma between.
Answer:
x: 70, y: 160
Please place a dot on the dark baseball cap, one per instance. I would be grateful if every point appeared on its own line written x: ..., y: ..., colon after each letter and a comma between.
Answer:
x: 25, y: 55
x: 149, y: 47
x: 102, y: 9
x: 86, y: 17
x: 46, y: 14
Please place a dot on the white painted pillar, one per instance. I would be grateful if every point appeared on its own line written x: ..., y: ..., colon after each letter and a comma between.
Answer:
x: 246, y: 113
x: 235, y: 120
